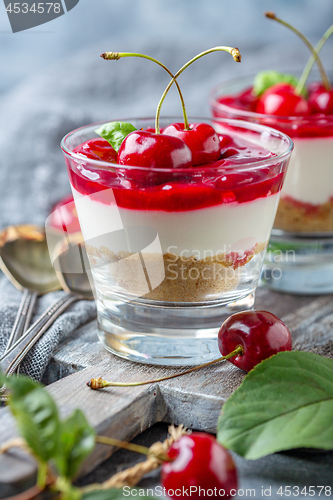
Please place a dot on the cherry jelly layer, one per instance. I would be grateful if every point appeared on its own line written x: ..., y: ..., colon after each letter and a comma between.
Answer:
x: 312, y: 125
x: 207, y: 185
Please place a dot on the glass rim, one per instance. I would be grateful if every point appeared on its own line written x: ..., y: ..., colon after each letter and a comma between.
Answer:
x: 256, y: 127
x: 212, y: 101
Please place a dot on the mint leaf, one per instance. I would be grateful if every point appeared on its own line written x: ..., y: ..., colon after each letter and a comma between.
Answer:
x: 115, y: 132
x: 77, y: 441
x: 36, y: 415
x: 285, y: 402
x: 265, y: 79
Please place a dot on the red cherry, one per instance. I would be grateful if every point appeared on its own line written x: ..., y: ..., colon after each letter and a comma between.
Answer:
x: 146, y: 149
x: 202, y: 140
x: 97, y: 149
x: 280, y: 99
x: 63, y: 216
x: 320, y: 99
x: 260, y: 333
x: 245, y: 100
x: 199, y: 461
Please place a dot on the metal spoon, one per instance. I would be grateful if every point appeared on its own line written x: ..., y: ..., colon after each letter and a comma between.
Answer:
x: 71, y: 264
x: 25, y: 260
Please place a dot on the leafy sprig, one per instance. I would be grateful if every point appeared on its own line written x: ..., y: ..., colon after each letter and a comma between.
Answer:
x: 59, y: 445
x: 285, y: 402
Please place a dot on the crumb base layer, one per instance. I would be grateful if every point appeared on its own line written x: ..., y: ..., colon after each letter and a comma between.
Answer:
x: 166, y: 309
x: 294, y: 216
x: 169, y: 277
x: 175, y: 322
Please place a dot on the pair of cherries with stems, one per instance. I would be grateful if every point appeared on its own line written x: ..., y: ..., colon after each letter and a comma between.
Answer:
x: 180, y: 145
x: 284, y: 99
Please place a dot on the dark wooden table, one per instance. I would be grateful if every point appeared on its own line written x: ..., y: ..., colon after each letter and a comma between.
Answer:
x: 194, y: 400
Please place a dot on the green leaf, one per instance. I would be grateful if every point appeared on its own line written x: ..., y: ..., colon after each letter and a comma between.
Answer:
x: 19, y: 385
x: 77, y: 441
x: 36, y: 415
x: 115, y: 132
x: 285, y: 402
x: 265, y: 79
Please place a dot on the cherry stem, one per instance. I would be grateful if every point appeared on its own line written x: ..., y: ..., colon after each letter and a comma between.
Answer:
x: 114, y: 56
x: 306, y: 72
x: 130, y: 446
x: 325, y: 80
x: 231, y: 50
x: 99, y: 383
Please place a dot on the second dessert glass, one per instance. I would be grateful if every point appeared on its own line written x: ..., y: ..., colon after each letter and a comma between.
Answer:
x: 173, y: 252
x: 300, y: 255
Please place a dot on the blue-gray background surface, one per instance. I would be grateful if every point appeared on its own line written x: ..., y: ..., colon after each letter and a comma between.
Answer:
x: 121, y: 24
x: 53, y: 80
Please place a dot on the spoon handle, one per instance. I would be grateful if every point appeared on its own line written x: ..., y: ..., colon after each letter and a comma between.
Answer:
x: 12, y: 358
x: 23, y: 317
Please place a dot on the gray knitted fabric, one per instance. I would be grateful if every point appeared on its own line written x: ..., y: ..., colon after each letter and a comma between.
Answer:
x: 84, y: 89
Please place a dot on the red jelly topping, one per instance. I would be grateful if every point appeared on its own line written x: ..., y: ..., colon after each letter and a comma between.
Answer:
x: 313, y: 125
x: 202, y: 186
x: 309, y: 208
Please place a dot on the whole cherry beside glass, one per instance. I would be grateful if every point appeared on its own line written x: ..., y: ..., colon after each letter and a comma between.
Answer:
x: 201, y: 138
x: 260, y: 334
x: 199, y: 466
x: 245, y: 339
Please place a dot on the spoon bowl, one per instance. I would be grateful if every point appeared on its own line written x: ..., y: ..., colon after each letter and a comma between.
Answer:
x: 71, y: 264
x: 24, y: 259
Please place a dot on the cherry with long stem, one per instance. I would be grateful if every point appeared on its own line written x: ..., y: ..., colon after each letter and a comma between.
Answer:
x: 99, y: 383
x: 137, y: 448
x: 115, y: 56
x: 234, y: 51
x: 306, y: 72
x: 325, y: 80
x: 245, y: 338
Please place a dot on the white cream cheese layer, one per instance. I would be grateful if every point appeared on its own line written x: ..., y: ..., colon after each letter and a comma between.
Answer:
x: 234, y: 227
x: 309, y: 177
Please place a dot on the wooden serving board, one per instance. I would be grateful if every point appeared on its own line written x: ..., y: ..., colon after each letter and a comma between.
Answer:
x: 194, y: 399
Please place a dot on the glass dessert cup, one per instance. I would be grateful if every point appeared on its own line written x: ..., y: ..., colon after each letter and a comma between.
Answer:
x: 173, y: 252
x: 300, y: 254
